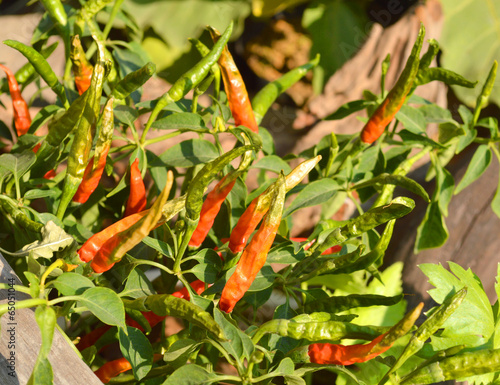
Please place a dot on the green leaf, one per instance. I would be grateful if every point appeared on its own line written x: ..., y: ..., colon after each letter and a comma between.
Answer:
x: 477, y: 166
x: 105, y: 304
x: 449, y: 131
x: 432, y: 231
x: 183, y: 121
x: 137, y: 349
x: 435, y: 114
x: 138, y: 285
x: 18, y: 164
x: 4, y: 131
x: 313, y: 194
x: 285, y: 253
x: 333, y: 24
x: 445, y: 183
x: 495, y: 203
x: 264, y: 279
x: 208, y: 267
x: 412, y: 119
x: 348, y: 109
x: 126, y: 115
x: 38, y: 193
x: 189, y: 153
x: 409, y: 138
x: 272, y: 163
x: 191, y: 375
x: 469, y: 46
x: 72, y: 283
x: 179, y: 349
x: 239, y: 345
x: 162, y: 247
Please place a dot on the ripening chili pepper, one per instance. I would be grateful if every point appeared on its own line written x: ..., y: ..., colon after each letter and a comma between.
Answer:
x: 137, y: 199
x: 236, y: 91
x: 113, y: 368
x: 96, y: 165
x: 189, y: 79
x: 115, y: 247
x: 211, y: 207
x: 82, y: 69
x: 267, y: 95
x: 133, y: 81
x: 337, y: 354
x: 259, y: 206
x: 255, y: 254
x: 22, y: 118
x: 50, y: 174
x: 82, y: 141
x: 396, y: 96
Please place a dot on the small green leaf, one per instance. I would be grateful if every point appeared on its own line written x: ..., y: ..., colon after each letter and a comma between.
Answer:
x: 162, y: 247
x: 72, y: 284
x: 446, y: 184
x: 272, y: 163
x: 191, y: 375
x: 412, y: 119
x: 239, y: 345
x: 477, y: 166
x: 432, y: 232
x: 348, y: 109
x: 313, y: 194
x: 398, y: 180
x: 449, y: 131
x: 138, y: 285
x: 137, y: 349
x: 189, y: 153
x: 18, y: 164
x: 105, y: 304
x: 42, y: 373
x: 409, y: 138
x: 208, y: 267
x: 183, y: 121
x: 285, y: 253
x: 37, y: 194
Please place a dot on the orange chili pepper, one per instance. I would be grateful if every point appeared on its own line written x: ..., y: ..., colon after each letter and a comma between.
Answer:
x: 137, y: 199
x: 198, y: 286
x: 113, y: 368
x: 396, y: 96
x: 236, y: 91
x: 211, y: 207
x: 96, y: 165
x: 255, y: 254
x: 338, y: 354
x: 22, y: 118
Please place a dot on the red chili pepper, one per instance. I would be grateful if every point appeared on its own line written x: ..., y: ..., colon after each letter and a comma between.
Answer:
x: 113, y: 368
x: 331, y: 250
x: 255, y: 254
x: 211, y: 207
x: 22, y: 118
x: 137, y: 199
x: 259, y: 206
x: 236, y: 91
x: 337, y: 354
x: 50, y: 174
x: 90, y: 248
x: 198, y: 286
x: 96, y: 165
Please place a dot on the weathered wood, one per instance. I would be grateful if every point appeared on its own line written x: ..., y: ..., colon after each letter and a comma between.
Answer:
x: 20, y: 338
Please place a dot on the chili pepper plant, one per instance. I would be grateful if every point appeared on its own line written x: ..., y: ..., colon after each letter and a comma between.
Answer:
x: 190, y: 233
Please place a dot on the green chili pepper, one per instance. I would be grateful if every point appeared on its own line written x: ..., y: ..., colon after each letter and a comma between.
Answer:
x: 133, y: 81
x: 455, y: 367
x: 428, y: 328
x: 204, y: 51
x: 267, y: 95
x: 58, y: 15
x: 374, y: 217
x: 20, y: 217
x: 189, y: 80
x: 42, y: 67
x: 317, y: 327
x: 395, y: 98
x: 82, y: 142
x: 336, y: 304
x: 482, y: 99
x: 431, y: 53
x: 166, y: 304
x: 24, y: 75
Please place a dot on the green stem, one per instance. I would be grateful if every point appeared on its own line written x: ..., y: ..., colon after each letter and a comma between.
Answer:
x: 112, y: 16
x: 153, y: 263
x: 23, y: 304
x: 122, y: 148
x: 22, y: 289
x: 161, y: 138
x: 50, y: 269
x: 162, y: 103
x: 64, y: 299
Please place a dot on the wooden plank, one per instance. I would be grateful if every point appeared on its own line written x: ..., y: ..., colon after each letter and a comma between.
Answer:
x: 20, y: 339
